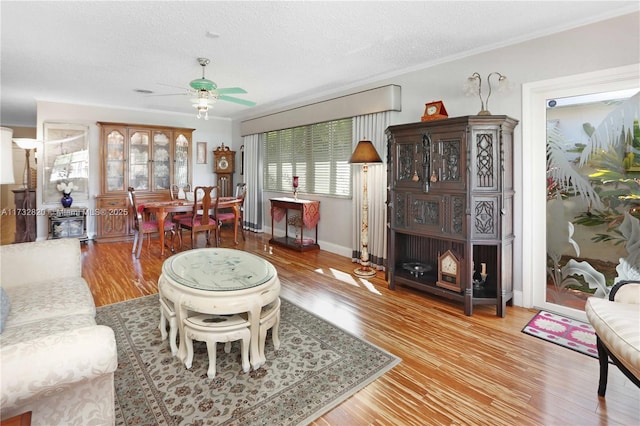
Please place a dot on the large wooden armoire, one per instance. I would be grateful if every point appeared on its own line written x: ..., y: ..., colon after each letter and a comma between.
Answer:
x: 148, y: 158
x: 450, y: 209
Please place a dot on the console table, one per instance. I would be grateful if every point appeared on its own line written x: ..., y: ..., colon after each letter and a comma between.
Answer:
x: 68, y: 222
x: 309, y: 218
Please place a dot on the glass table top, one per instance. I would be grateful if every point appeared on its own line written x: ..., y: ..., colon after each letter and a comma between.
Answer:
x: 218, y: 269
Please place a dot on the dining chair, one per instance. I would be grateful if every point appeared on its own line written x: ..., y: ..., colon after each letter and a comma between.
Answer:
x: 176, y: 217
x: 226, y: 216
x: 175, y: 191
x: 205, y: 203
x: 142, y: 227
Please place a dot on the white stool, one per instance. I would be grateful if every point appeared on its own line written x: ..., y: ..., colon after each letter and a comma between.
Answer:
x: 214, y: 329
x: 167, y: 314
x: 269, y: 318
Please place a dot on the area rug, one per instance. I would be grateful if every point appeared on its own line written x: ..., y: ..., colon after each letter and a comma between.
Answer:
x: 317, y: 367
x: 569, y: 333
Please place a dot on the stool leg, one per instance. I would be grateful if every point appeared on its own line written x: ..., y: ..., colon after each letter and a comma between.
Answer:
x: 163, y: 325
x: 189, y: 344
x: 211, y: 349
x: 173, y: 335
x: 244, y: 349
x: 262, y: 338
x: 227, y: 347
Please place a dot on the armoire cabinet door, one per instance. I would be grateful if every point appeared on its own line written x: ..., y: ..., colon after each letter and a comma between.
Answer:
x: 114, y: 159
x: 161, y: 164
x: 139, y: 159
x: 181, y: 160
x: 448, y: 160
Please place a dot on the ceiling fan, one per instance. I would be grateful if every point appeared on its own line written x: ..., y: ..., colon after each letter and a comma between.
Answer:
x: 206, y: 93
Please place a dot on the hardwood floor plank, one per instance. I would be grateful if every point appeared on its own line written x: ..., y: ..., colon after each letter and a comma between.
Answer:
x: 478, y: 370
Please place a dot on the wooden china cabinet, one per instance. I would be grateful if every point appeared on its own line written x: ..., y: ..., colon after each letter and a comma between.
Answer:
x: 147, y: 158
x: 450, y: 209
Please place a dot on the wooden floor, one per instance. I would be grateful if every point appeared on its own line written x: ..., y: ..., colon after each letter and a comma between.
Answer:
x: 455, y: 370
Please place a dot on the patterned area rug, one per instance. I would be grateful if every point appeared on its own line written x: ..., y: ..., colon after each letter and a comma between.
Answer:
x: 317, y: 367
x: 566, y: 332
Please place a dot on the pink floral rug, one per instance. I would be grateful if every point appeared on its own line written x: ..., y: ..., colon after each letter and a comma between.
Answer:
x: 563, y: 331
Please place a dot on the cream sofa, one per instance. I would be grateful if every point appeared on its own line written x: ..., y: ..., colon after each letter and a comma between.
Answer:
x: 617, y: 325
x: 55, y: 361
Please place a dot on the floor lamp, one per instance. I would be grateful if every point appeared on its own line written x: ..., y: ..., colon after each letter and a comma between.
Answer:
x: 27, y: 207
x: 365, y: 153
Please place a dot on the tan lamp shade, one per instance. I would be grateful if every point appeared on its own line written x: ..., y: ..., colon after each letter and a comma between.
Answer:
x: 365, y: 152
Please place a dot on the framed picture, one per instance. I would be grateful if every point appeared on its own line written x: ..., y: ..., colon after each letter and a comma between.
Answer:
x: 66, y: 160
x: 201, y: 153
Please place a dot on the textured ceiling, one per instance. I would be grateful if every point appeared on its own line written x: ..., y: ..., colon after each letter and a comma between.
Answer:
x: 99, y: 53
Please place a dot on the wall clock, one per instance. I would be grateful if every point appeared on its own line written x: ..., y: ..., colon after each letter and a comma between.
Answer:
x: 449, y: 271
x: 434, y: 111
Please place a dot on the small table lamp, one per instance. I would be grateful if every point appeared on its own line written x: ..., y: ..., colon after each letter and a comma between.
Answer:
x: 364, y: 154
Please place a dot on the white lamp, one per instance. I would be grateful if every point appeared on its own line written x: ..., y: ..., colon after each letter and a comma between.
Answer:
x: 202, y: 104
x: 27, y: 144
x: 473, y: 86
x: 364, y: 154
x: 6, y: 174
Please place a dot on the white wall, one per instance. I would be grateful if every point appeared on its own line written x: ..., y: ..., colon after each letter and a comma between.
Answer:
x: 607, y: 44
x: 213, y: 131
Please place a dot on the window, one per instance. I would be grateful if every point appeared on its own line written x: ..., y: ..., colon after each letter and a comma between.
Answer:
x: 318, y: 154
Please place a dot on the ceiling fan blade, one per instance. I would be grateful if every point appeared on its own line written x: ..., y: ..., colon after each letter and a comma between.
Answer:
x: 229, y: 90
x: 236, y: 100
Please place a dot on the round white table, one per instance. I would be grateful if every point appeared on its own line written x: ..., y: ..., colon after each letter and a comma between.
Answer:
x: 219, y: 281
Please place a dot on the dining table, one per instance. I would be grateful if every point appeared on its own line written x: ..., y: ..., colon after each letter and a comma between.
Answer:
x: 160, y: 209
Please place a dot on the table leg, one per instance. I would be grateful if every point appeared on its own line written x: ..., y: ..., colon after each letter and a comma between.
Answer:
x: 254, y: 326
x: 236, y: 216
x: 181, y: 313
x: 161, y: 215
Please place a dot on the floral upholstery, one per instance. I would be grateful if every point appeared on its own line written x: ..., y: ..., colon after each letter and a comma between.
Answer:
x: 56, y: 362
x: 149, y: 226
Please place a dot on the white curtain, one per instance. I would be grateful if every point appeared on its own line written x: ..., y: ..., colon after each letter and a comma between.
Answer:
x: 253, y: 147
x: 371, y: 127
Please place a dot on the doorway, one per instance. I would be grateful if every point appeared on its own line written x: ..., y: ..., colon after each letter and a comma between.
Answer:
x: 558, y: 108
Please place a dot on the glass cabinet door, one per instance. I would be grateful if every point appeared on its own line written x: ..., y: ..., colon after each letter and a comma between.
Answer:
x: 115, y: 161
x: 139, y: 160
x: 161, y: 160
x: 181, y: 162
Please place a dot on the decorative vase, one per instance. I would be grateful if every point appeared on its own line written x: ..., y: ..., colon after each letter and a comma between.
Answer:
x: 295, y: 187
x: 66, y: 200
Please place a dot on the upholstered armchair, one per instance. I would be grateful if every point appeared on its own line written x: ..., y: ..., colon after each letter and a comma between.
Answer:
x: 616, y: 321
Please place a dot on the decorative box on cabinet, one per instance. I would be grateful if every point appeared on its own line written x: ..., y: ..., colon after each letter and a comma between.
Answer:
x: 451, y: 188
x: 148, y: 158
x: 68, y: 223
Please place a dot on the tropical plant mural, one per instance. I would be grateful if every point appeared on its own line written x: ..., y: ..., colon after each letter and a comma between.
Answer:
x: 602, y: 176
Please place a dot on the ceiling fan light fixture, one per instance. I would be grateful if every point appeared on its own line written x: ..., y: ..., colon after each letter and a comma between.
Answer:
x: 202, y: 104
